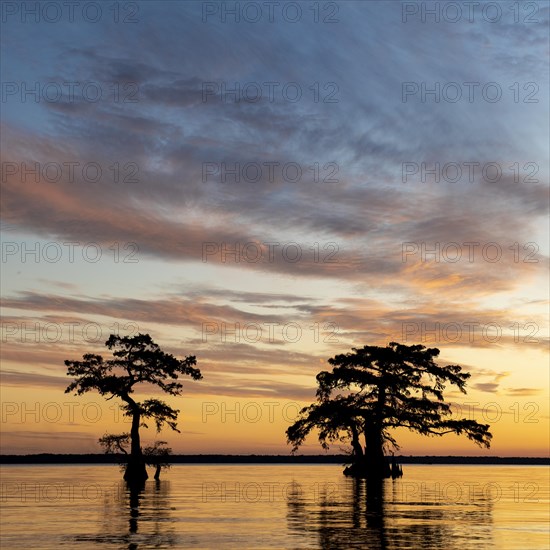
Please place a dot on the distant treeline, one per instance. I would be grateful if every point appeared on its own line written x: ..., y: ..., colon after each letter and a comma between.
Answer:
x: 46, y: 458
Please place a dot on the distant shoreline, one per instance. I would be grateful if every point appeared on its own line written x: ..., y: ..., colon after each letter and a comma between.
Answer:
x: 46, y: 458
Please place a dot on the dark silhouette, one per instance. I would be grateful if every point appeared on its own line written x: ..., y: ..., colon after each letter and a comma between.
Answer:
x: 154, y: 455
x: 157, y: 455
x: 115, y: 443
x: 383, y: 388
x: 136, y: 360
x: 96, y: 458
x: 135, y: 493
x: 396, y: 470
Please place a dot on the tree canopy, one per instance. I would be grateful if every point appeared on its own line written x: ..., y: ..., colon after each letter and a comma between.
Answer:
x: 373, y: 390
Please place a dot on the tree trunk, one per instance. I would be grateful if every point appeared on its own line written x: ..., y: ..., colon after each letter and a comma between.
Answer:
x: 356, y: 445
x: 157, y: 472
x: 135, y: 473
x: 377, y: 466
x: 357, y: 468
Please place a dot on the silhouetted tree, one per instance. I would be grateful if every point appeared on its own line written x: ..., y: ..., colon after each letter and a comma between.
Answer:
x: 154, y: 455
x: 136, y: 360
x: 113, y: 443
x: 374, y: 389
x: 157, y: 455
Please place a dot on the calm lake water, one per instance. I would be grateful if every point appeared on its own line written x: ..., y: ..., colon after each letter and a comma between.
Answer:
x: 275, y: 506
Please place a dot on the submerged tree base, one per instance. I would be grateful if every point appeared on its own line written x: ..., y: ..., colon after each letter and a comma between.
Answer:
x: 362, y: 471
x: 135, y: 472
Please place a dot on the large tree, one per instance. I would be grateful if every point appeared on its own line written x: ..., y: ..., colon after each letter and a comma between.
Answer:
x: 375, y: 389
x: 136, y: 360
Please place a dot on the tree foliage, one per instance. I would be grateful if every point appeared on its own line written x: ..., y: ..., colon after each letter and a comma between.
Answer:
x: 113, y: 443
x: 156, y: 454
x: 136, y: 359
x: 373, y: 390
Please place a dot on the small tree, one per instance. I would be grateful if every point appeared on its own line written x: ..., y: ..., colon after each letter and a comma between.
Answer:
x: 377, y: 389
x: 154, y: 455
x: 157, y: 455
x: 113, y: 443
x: 136, y: 360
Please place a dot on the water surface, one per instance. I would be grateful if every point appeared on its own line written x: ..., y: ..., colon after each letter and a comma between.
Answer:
x: 275, y: 506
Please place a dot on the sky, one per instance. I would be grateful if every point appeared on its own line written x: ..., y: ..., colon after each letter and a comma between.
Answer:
x: 266, y: 185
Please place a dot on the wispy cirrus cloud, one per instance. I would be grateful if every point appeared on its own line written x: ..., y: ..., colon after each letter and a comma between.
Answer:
x: 170, y: 145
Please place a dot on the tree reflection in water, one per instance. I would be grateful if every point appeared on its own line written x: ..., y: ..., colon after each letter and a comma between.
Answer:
x: 149, y: 517
x: 137, y: 517
x: 375, y: 516
x: 135, y: 493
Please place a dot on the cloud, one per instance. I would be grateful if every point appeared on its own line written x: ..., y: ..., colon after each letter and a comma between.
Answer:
x: 367, y: 273
x: 25, y: 379
x: 523, y: 392
x: 489, y: 387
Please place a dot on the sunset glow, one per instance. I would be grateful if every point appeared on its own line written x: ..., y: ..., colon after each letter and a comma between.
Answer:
x: 200, y: 200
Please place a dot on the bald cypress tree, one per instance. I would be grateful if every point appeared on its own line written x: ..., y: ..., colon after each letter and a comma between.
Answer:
x: 374, y: 389
x: 136, y: 360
